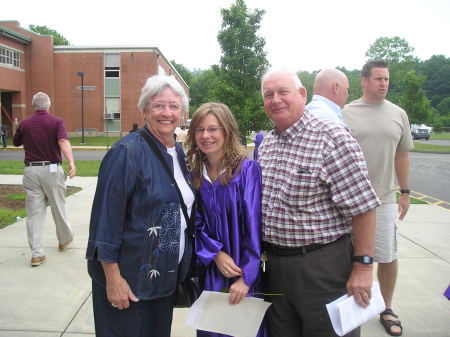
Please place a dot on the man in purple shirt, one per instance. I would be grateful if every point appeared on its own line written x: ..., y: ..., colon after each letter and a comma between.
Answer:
x: 43, y: 137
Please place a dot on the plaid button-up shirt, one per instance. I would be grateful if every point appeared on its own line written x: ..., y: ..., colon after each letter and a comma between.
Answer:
x: 314, y: 181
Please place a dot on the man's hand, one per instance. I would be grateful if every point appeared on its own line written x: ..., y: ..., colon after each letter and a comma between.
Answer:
x: 72, y: 170
x: 360, y: 284
x: 66, y: 149
x: 403, y: 205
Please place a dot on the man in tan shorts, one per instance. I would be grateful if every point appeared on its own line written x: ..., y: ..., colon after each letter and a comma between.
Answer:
x: 382, y: 130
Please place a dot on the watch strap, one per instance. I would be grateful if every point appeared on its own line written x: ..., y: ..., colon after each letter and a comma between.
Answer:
x: 407, y: 191
x: 364, y: 259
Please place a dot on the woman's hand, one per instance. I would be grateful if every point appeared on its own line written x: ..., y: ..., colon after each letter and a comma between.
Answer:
x: 226, y: 265
x: 238, y: 291
x: 117, y: 289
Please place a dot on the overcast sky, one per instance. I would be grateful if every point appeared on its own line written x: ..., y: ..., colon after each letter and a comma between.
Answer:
x: 300, y: 35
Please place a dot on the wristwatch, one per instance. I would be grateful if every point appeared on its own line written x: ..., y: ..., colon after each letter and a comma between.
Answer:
x: 364, y: 259
x: 407, y: 191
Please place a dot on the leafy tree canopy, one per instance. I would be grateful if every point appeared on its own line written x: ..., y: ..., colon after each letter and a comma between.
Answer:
x: 390, y: 49
x: 201, y: 88
x: 307, y: 79
x: 241, y: 66
x: 444, y: 107
x: 414, y: 100
x: 58, y: 39
x: 183, y: 71
x: 437, y: 73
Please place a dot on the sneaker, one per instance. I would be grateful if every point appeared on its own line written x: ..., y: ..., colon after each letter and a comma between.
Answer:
x: 64, y: 245
x: 37, y: 261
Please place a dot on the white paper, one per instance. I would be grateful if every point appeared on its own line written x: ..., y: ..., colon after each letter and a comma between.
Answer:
x: 53, y: 168
x: 212, y: 312
x: 346, y: 314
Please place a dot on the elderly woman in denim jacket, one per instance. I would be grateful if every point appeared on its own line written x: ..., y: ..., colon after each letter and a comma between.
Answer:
x: 137, y: 248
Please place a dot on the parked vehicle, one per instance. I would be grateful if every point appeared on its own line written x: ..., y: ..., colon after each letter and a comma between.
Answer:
x: 419, y: 131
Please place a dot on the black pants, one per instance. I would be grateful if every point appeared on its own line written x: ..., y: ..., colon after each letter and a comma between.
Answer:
x: 151, y: 318
x: 307, y: 283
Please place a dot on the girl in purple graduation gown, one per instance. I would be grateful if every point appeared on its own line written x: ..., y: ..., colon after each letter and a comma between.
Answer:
x: 228, y: 220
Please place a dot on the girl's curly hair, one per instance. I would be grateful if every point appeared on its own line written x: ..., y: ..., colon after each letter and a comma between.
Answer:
x: 234, y: 152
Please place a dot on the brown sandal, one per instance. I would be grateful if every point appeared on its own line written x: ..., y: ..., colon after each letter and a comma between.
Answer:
x: 388, y: 324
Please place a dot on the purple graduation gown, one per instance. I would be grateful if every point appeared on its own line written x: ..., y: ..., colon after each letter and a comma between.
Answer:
x: 229, y: 219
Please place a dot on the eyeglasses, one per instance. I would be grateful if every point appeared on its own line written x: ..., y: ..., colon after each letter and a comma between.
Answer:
x: 212, y: 130
x: 159, y: 107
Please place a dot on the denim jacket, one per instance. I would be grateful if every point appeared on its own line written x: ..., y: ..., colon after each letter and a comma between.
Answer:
x: 135, y: 219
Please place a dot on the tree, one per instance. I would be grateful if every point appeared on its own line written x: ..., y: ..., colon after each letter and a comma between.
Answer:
x: 183, y: 71
x: 444, y: 107
x: 414, y: 100
x: 242, y: 64
x: 354, y: 81
x: 437, y: 83
x: 58, y: 39
x: 391, y: 50
x: 201, y: 88
x: 307, y: 79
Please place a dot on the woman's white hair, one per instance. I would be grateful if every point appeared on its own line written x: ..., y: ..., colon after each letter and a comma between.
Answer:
x: 155, y: 84
x: 41, y: 101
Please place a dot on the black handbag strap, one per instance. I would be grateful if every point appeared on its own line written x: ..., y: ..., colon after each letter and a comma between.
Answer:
x: 154, y: 147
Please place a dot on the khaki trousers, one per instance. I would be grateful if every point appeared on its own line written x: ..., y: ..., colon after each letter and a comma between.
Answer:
x: 45, y: 188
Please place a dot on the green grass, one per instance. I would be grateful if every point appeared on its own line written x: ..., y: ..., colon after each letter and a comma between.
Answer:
x: 9, y: 216
x: 20, y: 196
x: 431, y: 147
x: 94, y: 141
x: 413, y: 200
x: 444, y: 136
x: 85, y: 168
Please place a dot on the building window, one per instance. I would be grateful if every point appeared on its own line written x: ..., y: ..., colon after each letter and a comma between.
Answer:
x: 10, y: 57
x: 112, y: 92
x: 112, y: 72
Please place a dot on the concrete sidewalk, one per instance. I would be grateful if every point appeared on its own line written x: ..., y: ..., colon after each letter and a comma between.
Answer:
x: 54, y: 299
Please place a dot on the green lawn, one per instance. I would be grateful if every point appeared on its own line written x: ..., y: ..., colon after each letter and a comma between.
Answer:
x: 445, y: 136
x: 413, y: 200
x: 10, y: 216
x: 431, y: 147
x: 94, y: 141
x: 85, y: 168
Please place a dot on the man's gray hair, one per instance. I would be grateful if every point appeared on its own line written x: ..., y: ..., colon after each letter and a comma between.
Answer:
x: 293, y: 75
x: 155, y: 84
x: 41, y: 101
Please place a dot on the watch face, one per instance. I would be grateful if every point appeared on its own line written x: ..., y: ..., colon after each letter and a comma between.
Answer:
x: 366, y: 259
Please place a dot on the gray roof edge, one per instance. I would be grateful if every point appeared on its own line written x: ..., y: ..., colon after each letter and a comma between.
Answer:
x: 14, y: 35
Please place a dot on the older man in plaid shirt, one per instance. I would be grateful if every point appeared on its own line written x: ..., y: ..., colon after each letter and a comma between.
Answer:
x: 318, y: 213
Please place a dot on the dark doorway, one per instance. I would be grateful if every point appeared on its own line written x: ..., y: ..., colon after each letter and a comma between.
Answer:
x: 6, y: 107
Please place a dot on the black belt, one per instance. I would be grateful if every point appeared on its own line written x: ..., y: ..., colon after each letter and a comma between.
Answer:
x: 276, y: 250
x: 41, y: 163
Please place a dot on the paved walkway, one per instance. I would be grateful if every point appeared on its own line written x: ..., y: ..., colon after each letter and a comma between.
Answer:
x: 54, y: 299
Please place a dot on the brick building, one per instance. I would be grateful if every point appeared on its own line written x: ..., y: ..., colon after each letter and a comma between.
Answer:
x: 112, y: 79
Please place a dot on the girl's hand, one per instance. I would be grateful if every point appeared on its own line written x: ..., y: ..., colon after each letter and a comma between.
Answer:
x: 226, y: 265
x: 238, y: 291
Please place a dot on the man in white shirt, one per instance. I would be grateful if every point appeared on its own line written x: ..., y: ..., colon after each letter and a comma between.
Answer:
x: 330, y: 94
